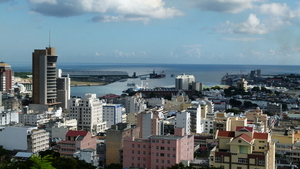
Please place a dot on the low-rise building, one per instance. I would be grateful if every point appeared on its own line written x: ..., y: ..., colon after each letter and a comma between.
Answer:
x: 243, y: 148
x: 76, y: 140
x: 158, y: 151
x: 24, y: 138
x: 89, y: 155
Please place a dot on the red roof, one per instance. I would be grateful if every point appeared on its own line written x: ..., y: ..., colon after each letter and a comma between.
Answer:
x: 226, y: 133
x: 260, y: 135
x: 245, y: 137
x: 250, y: 129
x: 76, y: 133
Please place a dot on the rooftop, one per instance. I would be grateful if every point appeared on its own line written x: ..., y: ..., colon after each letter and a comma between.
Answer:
x: 76, y: 133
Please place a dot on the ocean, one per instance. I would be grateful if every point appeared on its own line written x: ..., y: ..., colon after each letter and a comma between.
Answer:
x: 208, y: 74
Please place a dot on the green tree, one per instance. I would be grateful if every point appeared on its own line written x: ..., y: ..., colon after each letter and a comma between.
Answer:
x: 216, y: 88
x: 41, y: 162
x: 3, y: 152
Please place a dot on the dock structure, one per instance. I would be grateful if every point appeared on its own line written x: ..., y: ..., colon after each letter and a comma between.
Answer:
x: 94, y: 74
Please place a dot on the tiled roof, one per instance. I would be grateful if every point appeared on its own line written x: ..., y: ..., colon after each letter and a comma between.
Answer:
x: 250, y: 129
x: 245, y: 137
x: 226, y: 133
x: 76, y: 133
x: 260, y: 135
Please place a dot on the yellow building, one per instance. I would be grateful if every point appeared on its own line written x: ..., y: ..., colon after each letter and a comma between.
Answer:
x: 243, y: 148
x: 226, y: 122
x: 257, y: 117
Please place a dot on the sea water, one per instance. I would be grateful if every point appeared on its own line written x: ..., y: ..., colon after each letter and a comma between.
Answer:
x: 208, y: 74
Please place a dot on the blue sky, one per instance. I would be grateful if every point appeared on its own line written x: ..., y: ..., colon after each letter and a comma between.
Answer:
x: 153, y: 31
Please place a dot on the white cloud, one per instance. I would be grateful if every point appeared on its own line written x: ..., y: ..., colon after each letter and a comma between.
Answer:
x: 275, y: 9
x: 242, y: 39
x: 192, y: 50
x: 251, y: 26
x: 109, y: 10
x: 118, y: 53
x: 224, y: 6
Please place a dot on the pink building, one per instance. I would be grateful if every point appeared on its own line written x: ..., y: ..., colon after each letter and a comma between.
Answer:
x: 158, y: 151
x: 75, y: 141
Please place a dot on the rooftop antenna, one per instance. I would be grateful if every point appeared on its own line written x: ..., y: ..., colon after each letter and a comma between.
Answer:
x: 49, y: 38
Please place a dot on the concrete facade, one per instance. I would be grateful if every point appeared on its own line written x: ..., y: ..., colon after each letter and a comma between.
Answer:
x: 6, y: 77
x: 112, y: 114
x: 183, y: 82
x: 88, y: 112
x: 114, y: 141
x: 44, y: 76
x: 24, y: 138
x: 76, y: 140
x: 158, y: 151
x: 243, y: 148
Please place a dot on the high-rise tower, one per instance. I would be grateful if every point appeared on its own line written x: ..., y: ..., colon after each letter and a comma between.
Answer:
x: 44, y: 76
x: 5, y: 77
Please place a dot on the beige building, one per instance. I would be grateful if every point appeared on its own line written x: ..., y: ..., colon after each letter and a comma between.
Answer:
x: 114, y: 141
x: 178, y: 102
x: 44, y: 77
x: 243, y: 148
x: 228, y: 122
x: 257, y: 118
x: 242, y: 84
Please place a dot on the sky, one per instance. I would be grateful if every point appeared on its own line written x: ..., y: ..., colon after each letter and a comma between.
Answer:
x: 254, y: 32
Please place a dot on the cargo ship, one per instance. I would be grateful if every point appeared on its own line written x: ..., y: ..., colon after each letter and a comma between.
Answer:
x: 156, y: 76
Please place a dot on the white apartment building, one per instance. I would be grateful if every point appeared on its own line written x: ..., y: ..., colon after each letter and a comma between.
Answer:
x: 156, y: 102
x: 24, y: 138
x: 183, y: 120
x: 63, y: 89
x: 183, y: 82
x: 89, y: 155
x: 33, y: 119
x: 134, y: 104
x: 208, y: 125
x: 195, y: 113
x: 151, y: 122
x: 88, y: 112
x: 112, y: 114
x: 9, y: 117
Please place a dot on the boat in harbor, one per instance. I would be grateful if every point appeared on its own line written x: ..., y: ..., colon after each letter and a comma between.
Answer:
x: 157, y: 75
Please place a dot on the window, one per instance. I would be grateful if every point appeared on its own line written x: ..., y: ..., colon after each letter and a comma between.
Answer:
x: 218, y: 159
x: 156, y: 160
x: 132, y: 145
x: 168, y: 148
x: 162, y: 148
x: 132, y: 151
x: 138, y: 146
x: 261, y: 148
x: 162, y: 154
x: 168, y: 155
x: 261, y: 141
x: 168, y: 141
x: 243, y: 160
x: 261, y: 162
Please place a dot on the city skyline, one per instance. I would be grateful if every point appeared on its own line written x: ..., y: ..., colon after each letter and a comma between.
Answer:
x: 153, y: 31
